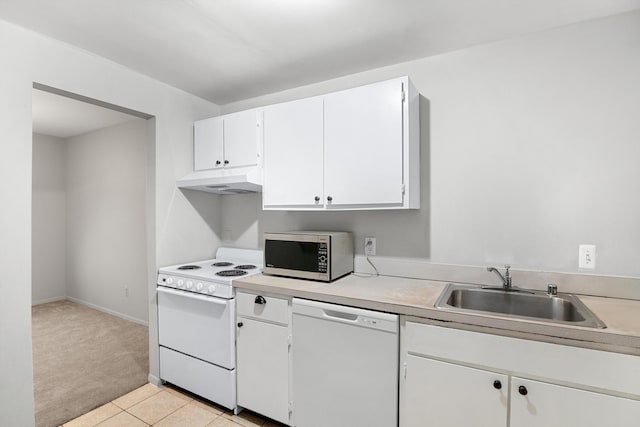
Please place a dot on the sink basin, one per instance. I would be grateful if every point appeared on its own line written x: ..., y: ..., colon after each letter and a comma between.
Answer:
x: 562, y: 308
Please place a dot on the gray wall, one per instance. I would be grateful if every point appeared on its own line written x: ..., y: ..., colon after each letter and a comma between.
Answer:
x: 171, y: 217
x: 529, y: 148
x: 89, y: 219
x: 49, y: 260
x: 106, y: 216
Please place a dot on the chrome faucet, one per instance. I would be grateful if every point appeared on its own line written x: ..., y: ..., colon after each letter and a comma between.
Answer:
x: 506, y: 279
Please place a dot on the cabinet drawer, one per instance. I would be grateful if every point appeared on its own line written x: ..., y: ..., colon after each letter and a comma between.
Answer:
x: 272, y: 309
x: 560, y: 363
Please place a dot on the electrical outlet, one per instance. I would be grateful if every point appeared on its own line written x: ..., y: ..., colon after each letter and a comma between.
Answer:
x: 369, y: 246
x: 587, y: 257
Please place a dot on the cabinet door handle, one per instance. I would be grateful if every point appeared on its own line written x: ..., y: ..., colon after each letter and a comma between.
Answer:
x: 329, y: 198
x: 497, y: 384
x: 226, y: 162
x: 240, y: 324
x: 217, y: 162
x: 260, y: 300
x: 523, y: 390
x: 317, y: 198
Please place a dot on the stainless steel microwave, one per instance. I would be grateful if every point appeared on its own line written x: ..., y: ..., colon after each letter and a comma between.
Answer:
x: 316, y: 255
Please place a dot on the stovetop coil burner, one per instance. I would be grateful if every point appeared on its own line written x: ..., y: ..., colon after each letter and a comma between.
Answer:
x: 222, y: 264
x: 189, y: 267
x: 245, y: 267
x: 231, y: 273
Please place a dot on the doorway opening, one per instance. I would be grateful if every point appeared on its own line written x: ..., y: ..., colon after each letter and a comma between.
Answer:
x: 92, y: 198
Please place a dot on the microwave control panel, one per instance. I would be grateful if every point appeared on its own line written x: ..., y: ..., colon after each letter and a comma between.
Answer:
x: 322, y: 257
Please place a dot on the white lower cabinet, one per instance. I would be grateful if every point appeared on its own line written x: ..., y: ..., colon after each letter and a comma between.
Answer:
x: 263, y: 355
x: 451, y: 377
x: 441, y: 394
x: 535, y: 404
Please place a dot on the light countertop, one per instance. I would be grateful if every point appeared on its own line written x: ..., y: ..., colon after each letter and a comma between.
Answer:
x: 416, y: 298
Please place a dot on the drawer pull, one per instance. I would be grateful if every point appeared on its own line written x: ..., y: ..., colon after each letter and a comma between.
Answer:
x: 260, y: 300
x: 523, y: 390
x: 497, y: 384
x: 240, y: 324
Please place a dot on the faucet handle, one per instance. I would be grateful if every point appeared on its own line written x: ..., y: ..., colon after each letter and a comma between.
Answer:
x: 507, y: 277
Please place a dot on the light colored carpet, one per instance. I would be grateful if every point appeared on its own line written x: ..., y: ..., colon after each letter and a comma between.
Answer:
x: 83, y: 358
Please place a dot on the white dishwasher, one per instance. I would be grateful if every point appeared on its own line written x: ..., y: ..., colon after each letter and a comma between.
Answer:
x: 345, y: 366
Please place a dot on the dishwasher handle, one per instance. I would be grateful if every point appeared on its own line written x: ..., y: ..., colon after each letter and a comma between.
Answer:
x: 347, y: 315
x: 340, y: 315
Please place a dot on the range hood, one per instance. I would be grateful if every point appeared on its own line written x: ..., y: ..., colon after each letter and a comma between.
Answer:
x: 224, y: 181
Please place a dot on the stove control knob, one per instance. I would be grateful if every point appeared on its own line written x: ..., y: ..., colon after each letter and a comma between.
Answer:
x: 189, y: 284
x: 169, y: 281
x: 212, y: 289
x: 180, y: 283
x: 199, y: 287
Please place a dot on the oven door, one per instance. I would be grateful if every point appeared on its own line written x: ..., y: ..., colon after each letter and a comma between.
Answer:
x: 197, y: 325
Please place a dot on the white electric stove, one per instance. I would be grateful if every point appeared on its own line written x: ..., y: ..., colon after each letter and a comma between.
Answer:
x: 213, y: 276
x: 196, y: 322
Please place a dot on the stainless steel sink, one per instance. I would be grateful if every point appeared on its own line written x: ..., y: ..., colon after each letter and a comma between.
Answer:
x: 561, y: 308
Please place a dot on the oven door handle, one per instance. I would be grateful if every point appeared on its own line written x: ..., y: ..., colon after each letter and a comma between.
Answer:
x: 192, y: 295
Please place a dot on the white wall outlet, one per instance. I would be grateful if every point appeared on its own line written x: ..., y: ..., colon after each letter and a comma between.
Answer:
x: 369, y: 246
x: 587, y: 257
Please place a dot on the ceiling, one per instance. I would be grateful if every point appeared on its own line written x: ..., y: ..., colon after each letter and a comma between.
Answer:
x: 228, y: 50
x: 64, y: 117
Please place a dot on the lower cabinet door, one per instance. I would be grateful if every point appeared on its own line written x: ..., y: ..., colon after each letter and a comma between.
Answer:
x: 440, y: 394
x: 263, y: 368
x: 535, y: 404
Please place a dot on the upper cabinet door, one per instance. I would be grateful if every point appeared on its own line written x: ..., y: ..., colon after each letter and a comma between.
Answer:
x: 363, y: 145
x: 208, y: 144
x: 293, y: 155
x: 241, y: 139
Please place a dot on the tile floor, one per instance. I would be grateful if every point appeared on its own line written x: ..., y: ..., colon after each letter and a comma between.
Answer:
x: 166, y: 407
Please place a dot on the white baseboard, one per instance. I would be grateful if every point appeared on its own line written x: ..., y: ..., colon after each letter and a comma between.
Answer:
x: 155, y: 380
x: 109, y: 311
x: 46, y: 300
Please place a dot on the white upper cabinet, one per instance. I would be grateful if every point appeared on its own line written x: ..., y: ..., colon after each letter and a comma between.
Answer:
x: 363, y: 138
x: 208, y: 152
x: 241, y: 138
x: 349, y: 150
x: 226, y: 141
x: 292, y: 158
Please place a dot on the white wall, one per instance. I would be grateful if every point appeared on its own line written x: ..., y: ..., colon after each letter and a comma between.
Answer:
x: 106, y: 216
x: 173, y: 220
x: 529, y: 148
x: 49, y: 274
